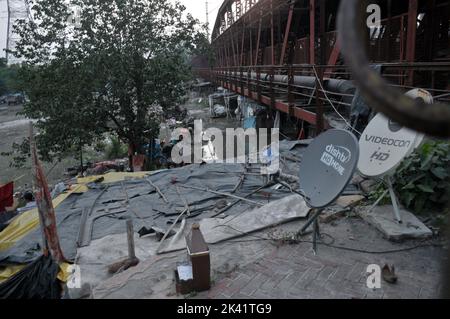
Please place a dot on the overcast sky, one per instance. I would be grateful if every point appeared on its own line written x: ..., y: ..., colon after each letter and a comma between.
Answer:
x: 196, y: 7
x: 3, y: 25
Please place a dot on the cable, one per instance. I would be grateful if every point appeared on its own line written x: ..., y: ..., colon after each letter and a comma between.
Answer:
x: 293, y: 240
x: 331, y: 103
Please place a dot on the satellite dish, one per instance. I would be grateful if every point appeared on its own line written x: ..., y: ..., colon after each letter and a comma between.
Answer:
x: 327, y: 167
x: 383, y: 146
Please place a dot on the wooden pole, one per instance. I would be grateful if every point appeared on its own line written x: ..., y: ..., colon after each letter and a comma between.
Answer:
x: 130, y: 239
x: 45, y: 206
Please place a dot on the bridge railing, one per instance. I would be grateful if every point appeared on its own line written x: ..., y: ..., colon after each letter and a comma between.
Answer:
x: 319, y: 94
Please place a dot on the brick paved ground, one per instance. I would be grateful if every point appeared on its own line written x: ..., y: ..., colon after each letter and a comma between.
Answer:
x: 292, y: 271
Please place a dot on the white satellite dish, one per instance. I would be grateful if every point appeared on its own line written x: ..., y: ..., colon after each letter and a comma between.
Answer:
x: 384, y: 144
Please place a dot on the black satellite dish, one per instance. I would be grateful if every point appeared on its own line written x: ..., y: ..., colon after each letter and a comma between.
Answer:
x: 328, y: 166
x: 326, y: 169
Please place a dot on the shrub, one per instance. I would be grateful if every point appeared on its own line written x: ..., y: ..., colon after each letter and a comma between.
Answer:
x: 422, y: 181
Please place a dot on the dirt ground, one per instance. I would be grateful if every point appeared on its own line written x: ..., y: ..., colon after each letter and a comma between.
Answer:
x: 13, y: 129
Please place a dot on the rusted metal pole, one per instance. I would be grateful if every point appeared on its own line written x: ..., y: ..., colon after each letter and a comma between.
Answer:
x: 258, y: 42
x: 319, y: 102
x: 411, y: 37
x: 312, y: 31
x: 286, y: 33
x: 272, y: 35
x: 432, y: 119
x: 242, y: 46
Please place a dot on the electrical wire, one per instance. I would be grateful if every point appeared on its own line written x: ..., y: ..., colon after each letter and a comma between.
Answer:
x: 293, y: 240
x: 331, y: 103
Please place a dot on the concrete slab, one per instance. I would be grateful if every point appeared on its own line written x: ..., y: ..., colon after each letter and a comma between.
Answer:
x: 382, y: 218
x: 347, y: 201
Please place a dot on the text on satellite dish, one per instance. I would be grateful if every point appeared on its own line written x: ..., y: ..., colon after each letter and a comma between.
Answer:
x: 388, y: 141
x: 335, y: 154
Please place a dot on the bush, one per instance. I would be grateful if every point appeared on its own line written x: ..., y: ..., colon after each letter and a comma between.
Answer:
x: 422, y: 181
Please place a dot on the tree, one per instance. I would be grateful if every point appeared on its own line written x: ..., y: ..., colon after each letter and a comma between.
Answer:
x: 8, y: 77
x: 112, y: 66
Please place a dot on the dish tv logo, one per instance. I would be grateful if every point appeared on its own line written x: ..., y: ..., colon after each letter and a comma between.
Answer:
x: 335, y: 156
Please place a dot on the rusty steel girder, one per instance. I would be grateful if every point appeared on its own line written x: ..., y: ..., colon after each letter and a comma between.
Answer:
x: 430, y: 119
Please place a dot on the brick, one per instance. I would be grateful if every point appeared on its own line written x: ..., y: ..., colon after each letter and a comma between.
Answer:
x: 272, y: 282
x: 306, y: 279
x: 359, y: 270
x: 254, y: 284
x: 426, y: 293
x: 341, y: 273
x: 288, y: 281
x: 237, y: 284
x: 326, y: 273
x: 258, y: 294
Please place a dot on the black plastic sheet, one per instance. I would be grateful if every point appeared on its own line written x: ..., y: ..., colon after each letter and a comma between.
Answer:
x: 38, y: 280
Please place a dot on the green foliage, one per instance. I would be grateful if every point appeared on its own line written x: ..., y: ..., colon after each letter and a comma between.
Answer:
x: 116, y: 149
x: 115, y: 72
x: 8, y: 78
x: 422, y: 181
x: 20, y: 153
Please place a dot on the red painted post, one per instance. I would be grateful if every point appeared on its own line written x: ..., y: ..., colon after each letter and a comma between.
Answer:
x: 312, y: 33
x: 242, y: 46
x: 286, y: 33
x: 411, y: 37
x: 258, y: 42
x: 272, y: 34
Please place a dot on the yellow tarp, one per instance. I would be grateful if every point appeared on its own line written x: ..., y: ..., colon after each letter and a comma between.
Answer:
x: 24, y: 223
x: 28, y: 221
x: 7, y: 272
x: 112, y: 177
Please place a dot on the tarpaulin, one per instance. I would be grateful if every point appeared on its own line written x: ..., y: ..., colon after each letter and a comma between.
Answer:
x: 112, y: 177
x: 123, y: 196
x: 6, y: 196
x: 24, y: 223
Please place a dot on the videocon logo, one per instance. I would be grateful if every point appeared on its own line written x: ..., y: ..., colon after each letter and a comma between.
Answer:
x: 394, y: 126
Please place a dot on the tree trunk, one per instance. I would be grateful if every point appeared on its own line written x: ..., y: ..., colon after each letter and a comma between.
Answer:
x: 131, y: 151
